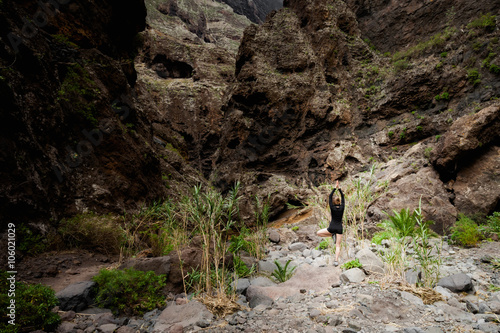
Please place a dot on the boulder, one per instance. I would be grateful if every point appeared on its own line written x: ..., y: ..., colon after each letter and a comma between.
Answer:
x: 456, y: 283
x: 274, y: 236
x: 185, y: 315
x: 299, y: 246
x: 423, y: 185
x: 159, y: 265
x: 477, y: 186
x: 260, y: 299
x: 77, y: 296
x: 370, y: 262
x: 466, y: 137
x: 262, y: 281
x: 241, y: 285
x: 353, y: 275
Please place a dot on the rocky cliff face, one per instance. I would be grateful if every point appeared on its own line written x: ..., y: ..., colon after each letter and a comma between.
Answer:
x: 255, y: 10
x: 315, y: 102
x: 76, y: 135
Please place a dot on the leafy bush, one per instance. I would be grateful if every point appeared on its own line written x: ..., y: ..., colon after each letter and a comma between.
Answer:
x: 92, y: 232
x: 492, y: 225
x: 323, y: 245
x: 465, y: 232
x: 241, y: 269
x: 486, y: 21
x: 352, y: 264
x: 129, y: 291
x: 444, y: 95
x: 281, y: 274
x: 296, y: 228
x: 473, y: 76
x: 34, y: 303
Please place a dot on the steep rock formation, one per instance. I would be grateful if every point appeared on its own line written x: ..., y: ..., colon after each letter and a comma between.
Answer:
x: 394, y: 25
x: 74, y: 135
x: 312, y: 103
x: 255, y: 10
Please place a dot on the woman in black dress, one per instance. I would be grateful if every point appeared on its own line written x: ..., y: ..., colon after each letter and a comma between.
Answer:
x: 335, y: 230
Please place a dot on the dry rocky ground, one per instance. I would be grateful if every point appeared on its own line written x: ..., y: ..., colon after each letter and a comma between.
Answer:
x: 318, y: 298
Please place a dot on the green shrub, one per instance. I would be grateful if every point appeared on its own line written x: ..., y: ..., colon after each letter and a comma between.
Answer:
x: 444, y: 54
x: 465, y: 232
x: 30, y: 241
x: 34, y: 303
x: 323, y: 245
x: 403, y: 223
x: 473, y: 76
x: 494, y: 69
x: 241, y: 269
x: 129, y: 291
x: 92, y: 232
x: 401, y: 64
x: 492, y: 225
x: 444, y: 95
x: 296, y: 228
x: 390, y: 134
x: 486, y: 21
x: 282, y: 273
x: 352, y: 264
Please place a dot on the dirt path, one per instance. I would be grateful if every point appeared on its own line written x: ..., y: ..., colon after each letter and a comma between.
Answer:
x: 60, y: 269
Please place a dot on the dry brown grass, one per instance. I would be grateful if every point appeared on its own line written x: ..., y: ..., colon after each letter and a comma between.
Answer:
x: 220, y: 306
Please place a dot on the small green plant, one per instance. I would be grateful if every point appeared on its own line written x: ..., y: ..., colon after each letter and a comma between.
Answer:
x: 33, y: 307
x: 465, y: 232
x: 437, y: 137
x: 401, y: 65
x: 296, y: 228
x: 402, y: 135
x: 373, y: 282
x: 352, y: 264
x: 486, y: 22
x: 282, y: 273
x: 444, y: 54
x: 390, y: 134
x: 473, y: 76
x: 427, y: 152
x: 241, y: 269
x: 443, y: 96
x: 492, y: 224
x: 493, y: 289
x: 494, y: 69
x: 129, y: 291
x: 323, y: 245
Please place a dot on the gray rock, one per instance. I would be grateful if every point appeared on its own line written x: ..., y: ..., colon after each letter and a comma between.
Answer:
x: 483, y: 307
x: 316, y: 253
x: 365, y: 300
x: 494, y: 306
x: 472, y: 307
x: 65, y: 327
x: 181, y: 315
x: 260, y: 300
x: 241, y: 285
x: 262, y: 281
x: 456, y: 283
x: 412, y: 298
x: 125, y: 329
x: 413, y: 276
x: 353, y: 275
x: 487, y: 317
x: 489, y: 328
x: 274, y: 236
x: 107, y: 328
x: 444, y: 292
x: 307, y: 253
x: 413, y: 330
x: 370, y: 262
x: 433, y: 330
x: 77, y: 296
x: 266, y: 266
x: 159, y: 265
x: 299, y: 246
x: 314, y: 313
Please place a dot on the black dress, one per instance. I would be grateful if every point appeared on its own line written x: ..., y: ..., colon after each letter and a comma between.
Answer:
x: 337, y: 212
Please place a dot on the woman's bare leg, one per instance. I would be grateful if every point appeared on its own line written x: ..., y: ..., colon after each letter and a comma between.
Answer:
x: 337, y: 247
x: 323, y: 233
